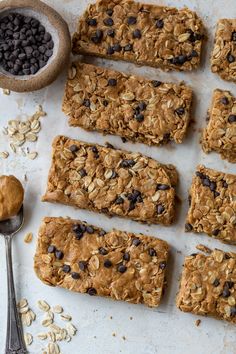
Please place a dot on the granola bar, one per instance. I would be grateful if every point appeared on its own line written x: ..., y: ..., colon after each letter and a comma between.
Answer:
x: 111, y: 181
x: 141, y: 110
x: 208, y: 285
x: 159, y: 36
x: 223, y: 59
x: 220, y: 133
x: 86, y: 259
x: 213, y: 204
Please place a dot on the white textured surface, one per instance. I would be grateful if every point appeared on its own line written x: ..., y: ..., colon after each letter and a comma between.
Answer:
x: 165, y: 330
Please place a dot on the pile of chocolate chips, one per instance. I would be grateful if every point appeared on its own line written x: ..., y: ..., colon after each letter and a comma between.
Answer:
x: 25, y: 45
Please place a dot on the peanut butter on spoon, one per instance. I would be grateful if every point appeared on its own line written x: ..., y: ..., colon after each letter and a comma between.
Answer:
x: 11, y: 196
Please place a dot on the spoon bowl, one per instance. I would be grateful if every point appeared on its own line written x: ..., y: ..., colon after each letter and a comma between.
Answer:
x: 13, y: 225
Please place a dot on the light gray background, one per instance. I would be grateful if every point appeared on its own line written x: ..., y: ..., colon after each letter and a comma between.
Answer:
x: 165, y: 330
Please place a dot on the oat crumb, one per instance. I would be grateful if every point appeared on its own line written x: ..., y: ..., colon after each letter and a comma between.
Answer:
x: 197, y: 323
x: 111, y: 317
x: 28, y: 237
x: 114, y: 334
x: 123, y: 337
x: 131, y: 318
x: 203, y: 248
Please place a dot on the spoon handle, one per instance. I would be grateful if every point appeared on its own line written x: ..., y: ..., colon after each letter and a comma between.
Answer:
x: 14, y: 341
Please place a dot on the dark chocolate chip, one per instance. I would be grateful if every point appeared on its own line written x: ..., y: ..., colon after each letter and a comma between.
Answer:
x: 233, y: 311
x: 224, y: 100
x: 79, y: 230
x: 128, y: 47
x: 225, y: 184
x: 216, y: 194
x: 137, y: 34
x: 66, y: 268
x: 121, y: 268
x: 51, y: 249
x: 136, y: 242
x: 233, y: 37
x: 102, y: 251
x: 152, y: 252
x: 82, y: 172
x: 142, y: 106
x: 162, y: 187
x: 229, y: 284
x: 110, y: 50
x: 105, y: 103
x: 179, y: 60
x: 193, y: 54
x: 160, y: 209
x: 215, y: 232
x: 139, y: 117
x: 89, y: 229
x: 92, y: 22
x: 213, y: 186
x: 226, y: 292
x: 188, y: 227
x: 159, y: 23
x: 108, y: 21
x: 59, y: 254
x: 124, y: 140
x: 107, y: 263
x: 127, y: 163
x: 194, y: 36
x: 102, y: 233
x: 180, y: 111
x: 216, y: 282
x: 73, y: 148
x: 230, y: 58
x: 162, y: 265
x: 131, y: 20
x: 91, y: 291
x: 82, y: 265
x: 97, y: 36
x: 117, y: 47
x: 156, y: 83
x: 112, y: 82
x: 126, y: 256
x: 109, y: 12
x: 75, y: 275
x: 111, y: 33
x: 86, y: 102
x: 232, y: 118
x: 119, y: 200
x: 206, y: 182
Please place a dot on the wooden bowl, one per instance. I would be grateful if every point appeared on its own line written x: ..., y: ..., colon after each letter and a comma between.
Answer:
x: 59, y: 31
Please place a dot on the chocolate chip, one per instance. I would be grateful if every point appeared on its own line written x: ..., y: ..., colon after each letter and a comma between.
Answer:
x: 51, y: 249
x: 193, y: 54
x: 213, y: 186
x: 162, y: 187
x: 229, y: 284
x: 102, y: 233
x: 110, y: 50
x: 179, y: 60
x: 156, y: 83
x: 112, y: 82
x: 89, y: 229
x: 73, y: 148
x: 107, y: 263
x: 108, y: 21
x: 206, y: 182
x: 119, y: 200
x: 110, y: 146
x: 131, y: 206
x: 159, y: 23
x: 128, y: 47
x: 139, y: 117
x: 75, y: 275
x: 216, y: 194
x: 233, y: 38
x: 78, y: 230
x: 82, y: 265
x: 136, y: 242
x: 127, y: 163
x: 233, y: 311
x: 97, y: 36
x: 215, y: 232
x: 230, y: 58
x: 102, y: 251
x: 124, y: 140
x: 180, y: 111
x: 200, y: 174
x: 92, y: 22
x: 105, y: 103
x: 224, y: 100
x: 131, y: 20
x: 109, y: 12
x: 225, y: 184
x: 114, y: 174
x: 135, y: 196
x: 82, y: 172
x: 226, y: 292
x: 188, y: 227
x: 194, y: 36
x: 111, y: 33
x: 152, y: 252
x: 117, y: 47
x: 121, y: 268
x: 91, y: 291
x: 66, y: 268
x: 142, y: 106
x: 59, y: 254
x: 162, y: 265
x: 137, y: 34
x: 160, y: 209
x: 216, y: 282
x: 126, y: 256
x: 232, y: 118
x: 86, y: 102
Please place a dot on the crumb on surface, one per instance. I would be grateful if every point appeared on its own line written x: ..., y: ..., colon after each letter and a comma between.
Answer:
x: 203, y: 248
x: 197, y: 322
x: 114, y: 334
x: 123, y: 337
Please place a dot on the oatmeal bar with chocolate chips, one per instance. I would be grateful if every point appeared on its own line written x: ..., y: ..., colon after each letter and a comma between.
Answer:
x: 208, y: 285
x: 140, y: 110
x: 223, y: 59
x: 116, y: 264
x: 220, y: 133
x: 111, y: 181
x: 145, y: 34
x: 213, y: 205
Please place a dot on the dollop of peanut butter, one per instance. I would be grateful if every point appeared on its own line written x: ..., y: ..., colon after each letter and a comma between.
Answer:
x: 11, y: 196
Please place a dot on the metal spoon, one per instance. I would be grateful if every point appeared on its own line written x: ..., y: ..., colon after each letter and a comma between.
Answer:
x: 14, y: 341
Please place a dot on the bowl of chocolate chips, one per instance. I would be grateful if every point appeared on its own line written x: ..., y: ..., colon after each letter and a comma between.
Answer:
x: 35, y: 45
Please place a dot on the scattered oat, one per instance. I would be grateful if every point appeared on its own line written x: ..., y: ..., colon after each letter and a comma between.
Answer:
x: 57, y: 309
x: 32, y: 155
x: 71, y: 329
x: 28, y: 237
x: 203, y: 248
x: 23, y: 309
x: 4, y: 154
x: 6, y: 92
x: 53, y: 348
x: 43, y: 305
x: 28, y: 338
x: 5, y: 131
x: 46, y: 322
x: 42, y: 335
x: 197, y: 322
x: 66, y: 317
x: 22, y: 303
x: 114, y: 334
